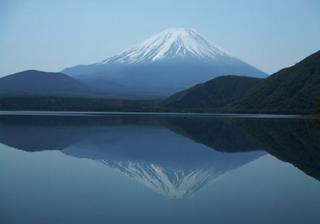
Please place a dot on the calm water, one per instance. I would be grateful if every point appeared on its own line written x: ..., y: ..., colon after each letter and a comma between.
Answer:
x: 77, y: 168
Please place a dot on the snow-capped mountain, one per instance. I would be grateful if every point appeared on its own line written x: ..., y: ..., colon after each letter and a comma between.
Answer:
x: 168, y: 62
x: 170, y: 44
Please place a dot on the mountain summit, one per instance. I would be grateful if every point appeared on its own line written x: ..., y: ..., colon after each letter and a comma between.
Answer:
x: 170, y: 44
x: 168, y: 62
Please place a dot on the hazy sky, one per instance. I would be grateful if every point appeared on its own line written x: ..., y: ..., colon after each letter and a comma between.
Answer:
x: 50, y: 35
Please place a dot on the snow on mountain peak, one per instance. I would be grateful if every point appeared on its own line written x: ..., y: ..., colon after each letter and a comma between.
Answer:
x: 168, y: 44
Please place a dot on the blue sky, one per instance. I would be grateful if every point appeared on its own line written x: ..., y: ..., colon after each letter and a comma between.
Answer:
x: 51, y: 35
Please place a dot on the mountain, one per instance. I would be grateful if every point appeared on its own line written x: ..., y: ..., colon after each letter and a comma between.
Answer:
x: 214, y: 94
x: 168, y: 62
x: 291, y: 90
x: 32, y: 82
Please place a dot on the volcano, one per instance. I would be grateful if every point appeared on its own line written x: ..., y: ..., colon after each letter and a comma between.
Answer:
x: 168, y: 62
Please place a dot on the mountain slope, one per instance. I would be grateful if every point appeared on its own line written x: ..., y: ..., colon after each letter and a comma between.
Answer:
x: 171, y: 44
x: 216, y: 93
x: 41, y: 83
x: 292, y: 90
x: 167, y: 62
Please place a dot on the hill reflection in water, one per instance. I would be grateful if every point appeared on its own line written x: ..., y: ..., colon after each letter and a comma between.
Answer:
x: 172, y: 155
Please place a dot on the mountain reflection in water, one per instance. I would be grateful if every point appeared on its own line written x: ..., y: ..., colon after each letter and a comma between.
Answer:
x: 174, y: 156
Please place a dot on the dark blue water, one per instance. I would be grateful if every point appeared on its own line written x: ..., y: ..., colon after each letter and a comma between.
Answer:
x: 157, y: 168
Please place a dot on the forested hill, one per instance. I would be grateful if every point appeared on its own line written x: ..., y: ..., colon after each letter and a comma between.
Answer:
x: 33, y: 82
x: 216, y: 93
x: 291, y: 90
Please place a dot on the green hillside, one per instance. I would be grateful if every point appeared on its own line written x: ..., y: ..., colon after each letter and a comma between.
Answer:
x: 219, y: 92
x: 292, y: 90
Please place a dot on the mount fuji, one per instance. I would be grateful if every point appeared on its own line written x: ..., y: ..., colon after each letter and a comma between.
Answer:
x: 168, y: 62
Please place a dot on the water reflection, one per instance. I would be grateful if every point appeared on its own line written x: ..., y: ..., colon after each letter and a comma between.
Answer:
x: 166, y: 162
x: 296, y: 141
x: 174, y: 156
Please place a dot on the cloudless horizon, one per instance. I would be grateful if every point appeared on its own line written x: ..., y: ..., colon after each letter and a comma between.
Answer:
x: 53, y: 35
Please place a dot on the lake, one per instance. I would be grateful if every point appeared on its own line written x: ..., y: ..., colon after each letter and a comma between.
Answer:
x: 158, y: 168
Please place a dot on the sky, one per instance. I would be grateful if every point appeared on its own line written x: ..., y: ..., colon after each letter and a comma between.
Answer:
x: 51, y: 35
